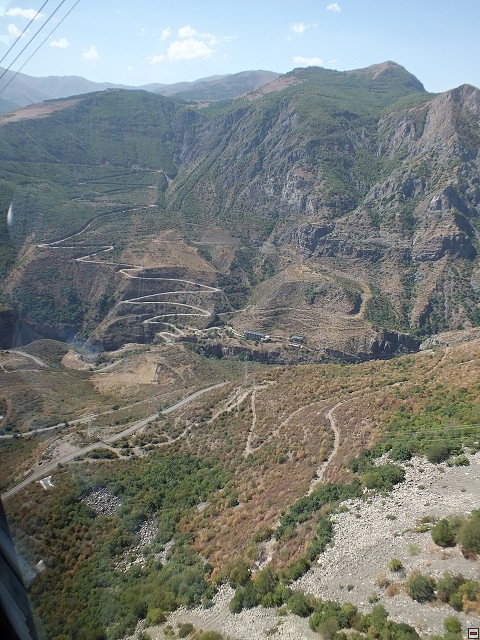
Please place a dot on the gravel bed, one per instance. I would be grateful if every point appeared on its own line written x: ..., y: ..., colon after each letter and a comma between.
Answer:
x: 375, y: 530
x: 102, y: 501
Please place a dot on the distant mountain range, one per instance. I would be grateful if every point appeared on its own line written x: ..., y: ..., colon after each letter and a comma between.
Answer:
x: 24, y: 90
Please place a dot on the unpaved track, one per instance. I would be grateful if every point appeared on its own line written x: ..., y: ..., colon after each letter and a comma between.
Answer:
x: 35, y: 359
x: 105, y: 444
x: 323, y: 467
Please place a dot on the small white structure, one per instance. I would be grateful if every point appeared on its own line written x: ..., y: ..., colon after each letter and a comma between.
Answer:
x: 46, y: 483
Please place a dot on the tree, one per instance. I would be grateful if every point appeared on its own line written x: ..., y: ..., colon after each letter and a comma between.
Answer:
x: 438, y: 452
x: 469, y: 534
x: 443, y: 534
x: 421, y: 588
x: 298, y: 604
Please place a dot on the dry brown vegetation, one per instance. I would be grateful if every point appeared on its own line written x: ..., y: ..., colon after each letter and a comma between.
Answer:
x: 270, y: 427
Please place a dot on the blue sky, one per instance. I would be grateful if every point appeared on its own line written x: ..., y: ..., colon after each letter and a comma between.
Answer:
x: 143, y: 41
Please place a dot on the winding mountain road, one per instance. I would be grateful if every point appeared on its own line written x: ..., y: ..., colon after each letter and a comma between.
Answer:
x: 133, y: 272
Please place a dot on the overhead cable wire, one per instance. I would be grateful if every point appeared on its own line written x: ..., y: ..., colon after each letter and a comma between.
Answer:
x: 24, y: 31
x: 32, y: 39
x: 40, y: 45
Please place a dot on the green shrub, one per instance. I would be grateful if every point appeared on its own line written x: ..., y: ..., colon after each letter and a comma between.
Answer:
x: 470, y: 589
x: 459, y: 461
x: 401, y: 451
x: 395, y: 565
x: 413, y: 549
x: 299, y: 605
x: 186, y: 629
x: 447, y: 585
x: 438, y: 452
x: 452, y: 624
x: 443, y: 534
x: 264, y: 582
x: 456, y: 602
x: 385, y: 476
x: 209, y: 635
x: 328, y: 628
x: 421, y: 588
x: 245, y: 598
x: 239, y: 574
x: 469, y: 534
x: 155, y: 616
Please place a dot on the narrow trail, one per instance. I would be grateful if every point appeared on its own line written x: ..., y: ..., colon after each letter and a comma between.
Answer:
x: 134, y: 272
x: 336, y: 444
x: 268, y: 547
x: 248, y: 447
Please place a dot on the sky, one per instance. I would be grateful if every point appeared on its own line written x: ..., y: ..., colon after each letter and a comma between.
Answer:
x: 137, y: 42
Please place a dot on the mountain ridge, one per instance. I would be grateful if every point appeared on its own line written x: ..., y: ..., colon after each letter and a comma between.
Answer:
x: 343, y: 207
x: 23, y: 89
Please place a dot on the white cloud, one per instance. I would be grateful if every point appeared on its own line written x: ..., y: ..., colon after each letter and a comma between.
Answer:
x: 14, y: 32
x: 187, y: 32
x: 189, y: 49
x: 91, y: 54
x: 308, y: 62
x: 63, y: 43
x: 189, y: 44
x: 165, y: 33
x: 335, y: 7
x: 301, y: 27
x: 155, y: 59
x: 129, y: 67
x: 30, y: 14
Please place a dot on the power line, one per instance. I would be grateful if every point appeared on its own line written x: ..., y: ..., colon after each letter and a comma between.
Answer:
x: 32, y: 39
x: 40, y: 45
x: 24, y: 31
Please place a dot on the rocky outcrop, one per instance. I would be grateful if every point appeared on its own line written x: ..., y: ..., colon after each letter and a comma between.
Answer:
x: 457, y: 244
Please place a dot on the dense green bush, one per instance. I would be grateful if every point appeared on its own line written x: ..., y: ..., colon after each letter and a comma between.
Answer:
x: 384, y: 477
x: 421, y: 588
x: 239, y: 574
x: 438, y: 452
x: 469, y: 533
x: 299, y: 605
x: 452, y: 624
x: 447, y: 585
x: 443, y: 534
x: 402, y: 451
